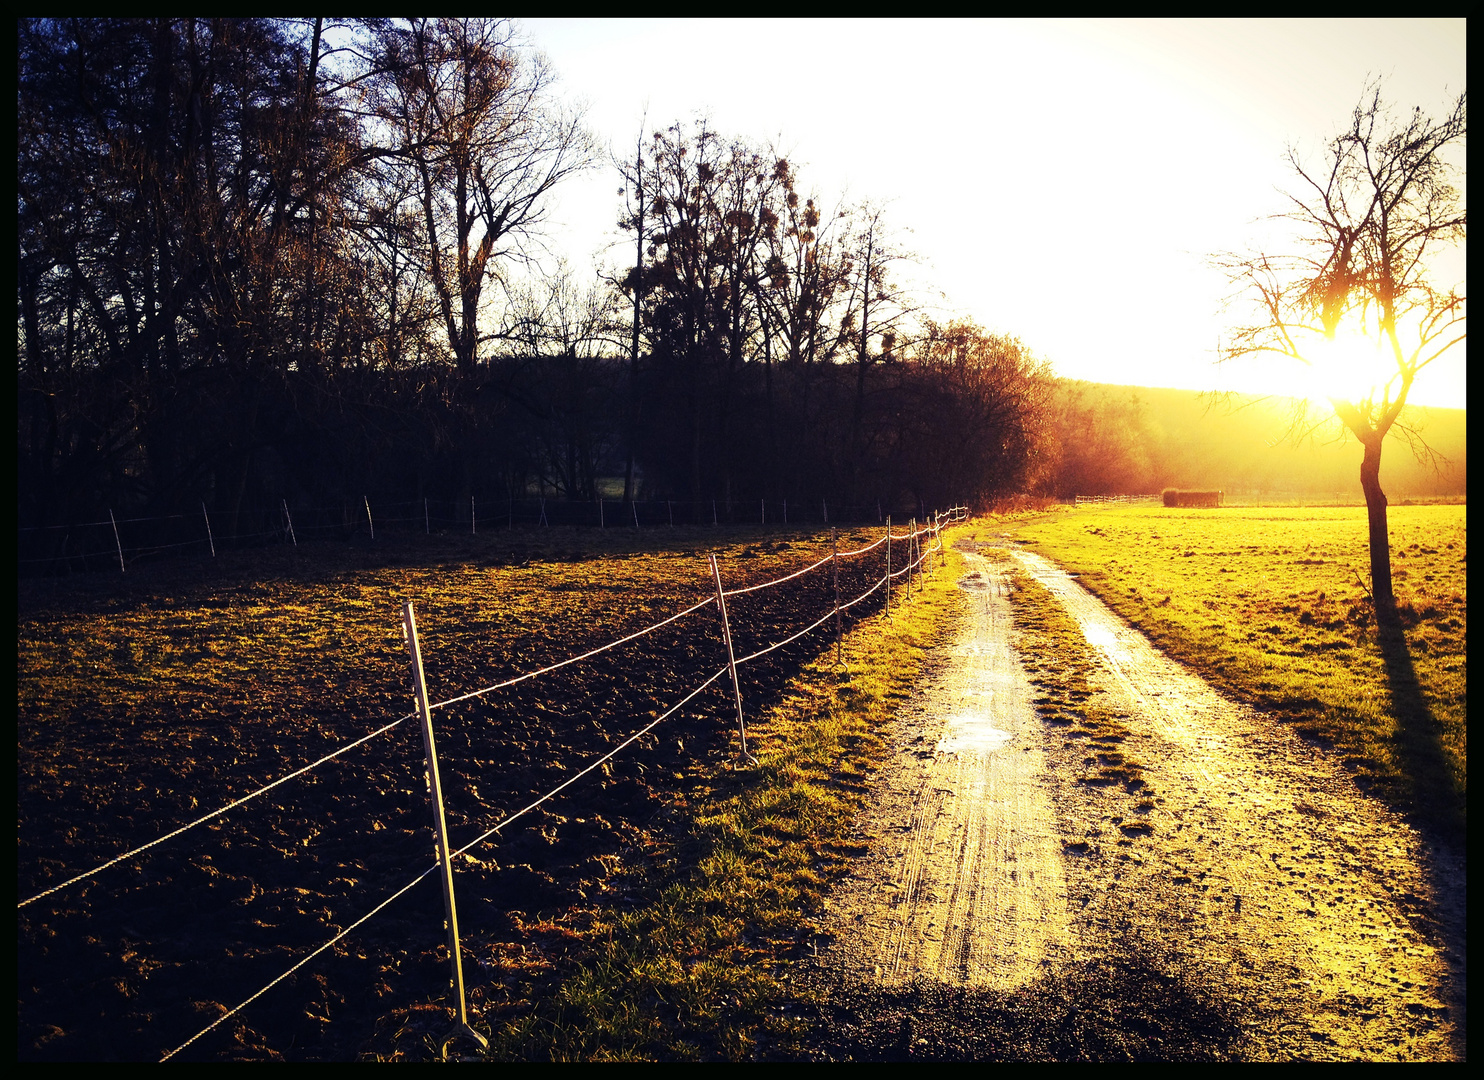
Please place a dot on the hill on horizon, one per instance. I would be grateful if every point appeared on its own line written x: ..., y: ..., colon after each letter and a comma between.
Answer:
x: 1120, y: 439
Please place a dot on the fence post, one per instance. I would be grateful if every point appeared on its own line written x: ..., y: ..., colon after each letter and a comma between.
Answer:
x: 907, y: 580
x: 290, y: 520
x: 634, y: 506
x: 713, y: 511
x: 473, y: 531
x: 116, y: 542
x: 427, y: 527
x: 726, y: 633
x: 762, y: 509
x: 785, y: 511
x: 835, y: 564
x: 369, y: 523
x: 603, y: 525
x: 888, y: 566
x: 924, y: 542
x: 440, y: 825
x: 209, y: 538
x: 670, y: 509
x: 826, y: 508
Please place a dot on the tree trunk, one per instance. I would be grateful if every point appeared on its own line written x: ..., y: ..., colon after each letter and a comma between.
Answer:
x: 1375, y: 505
x: 633, y: 420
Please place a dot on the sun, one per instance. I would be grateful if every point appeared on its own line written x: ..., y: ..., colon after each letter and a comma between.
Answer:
x: 1352, y: 366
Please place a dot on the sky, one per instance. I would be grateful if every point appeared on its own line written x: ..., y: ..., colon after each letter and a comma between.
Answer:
x: 1063, y: 182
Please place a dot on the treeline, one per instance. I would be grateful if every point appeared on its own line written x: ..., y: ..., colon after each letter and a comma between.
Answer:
x: 264, y: 259
x: 1117, y: 440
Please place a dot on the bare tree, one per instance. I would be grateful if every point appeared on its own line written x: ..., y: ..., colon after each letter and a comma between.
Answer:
x: 474, y: 122
x: 634, y: 192
x: 1369, y: 218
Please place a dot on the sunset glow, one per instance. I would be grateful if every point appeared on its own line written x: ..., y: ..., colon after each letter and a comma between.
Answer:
x: 1351, y: 366
x: 1111, y: 157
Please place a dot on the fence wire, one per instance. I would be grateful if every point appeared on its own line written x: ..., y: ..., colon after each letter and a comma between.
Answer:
x: 216, y: 813
x: 921, y: 558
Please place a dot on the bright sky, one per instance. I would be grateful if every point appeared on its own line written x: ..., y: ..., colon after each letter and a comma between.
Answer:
x: 1060, y: 181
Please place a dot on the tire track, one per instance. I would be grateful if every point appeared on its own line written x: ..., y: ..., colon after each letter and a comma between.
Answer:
x: 1322, y: 905
x: 971, y: 890
x: 1328, y: 926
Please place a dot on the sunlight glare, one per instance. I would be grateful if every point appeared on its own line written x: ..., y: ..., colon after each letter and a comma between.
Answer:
x: 1351, y: 366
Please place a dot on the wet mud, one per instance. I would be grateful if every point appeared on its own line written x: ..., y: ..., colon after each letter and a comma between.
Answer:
x: 1248, y: 901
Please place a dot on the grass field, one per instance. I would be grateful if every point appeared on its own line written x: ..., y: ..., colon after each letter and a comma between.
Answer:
x: 648, y: 912
x: 1271, y: 604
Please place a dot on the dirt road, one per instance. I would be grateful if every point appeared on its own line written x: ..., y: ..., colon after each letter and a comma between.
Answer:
x: 1312, y: 922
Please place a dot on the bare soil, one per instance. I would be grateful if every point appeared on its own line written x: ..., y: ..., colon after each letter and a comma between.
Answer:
x: 1248, y: 901
x: 130, y: 963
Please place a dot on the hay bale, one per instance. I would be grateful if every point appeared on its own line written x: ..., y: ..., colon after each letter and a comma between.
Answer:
x: 1174, y: 497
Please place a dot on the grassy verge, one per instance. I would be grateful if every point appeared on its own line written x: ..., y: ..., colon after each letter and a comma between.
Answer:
x: 695, y: 971
x: 1271, y: 605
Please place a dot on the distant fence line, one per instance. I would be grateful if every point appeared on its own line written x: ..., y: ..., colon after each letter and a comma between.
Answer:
x: 921, y: 543
x: 99, y: 545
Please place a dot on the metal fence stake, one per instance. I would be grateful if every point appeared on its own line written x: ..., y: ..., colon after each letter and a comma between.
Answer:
x: 911, y: 555
x: 290, y: 520
x: 835, y: 565
x: 369, y: 523
x: 440, y: 825
x: 726, y: 633
x: 888, y: 567
x: 209, y: 538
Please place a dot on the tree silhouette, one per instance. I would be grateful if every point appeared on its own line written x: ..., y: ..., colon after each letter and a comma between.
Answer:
x: 474, y: 122
x: 1368, y: 219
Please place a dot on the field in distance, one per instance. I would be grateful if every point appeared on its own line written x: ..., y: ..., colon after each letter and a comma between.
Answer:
x: 1272, y: 605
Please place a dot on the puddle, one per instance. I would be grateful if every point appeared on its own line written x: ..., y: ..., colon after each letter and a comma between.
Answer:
x: 1100, y: 636
x: 972, y: 733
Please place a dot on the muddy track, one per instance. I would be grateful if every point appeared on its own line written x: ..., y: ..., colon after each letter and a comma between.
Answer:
x: 1308, y: 919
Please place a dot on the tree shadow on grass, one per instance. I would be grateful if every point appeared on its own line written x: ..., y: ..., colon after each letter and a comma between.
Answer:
x: 1420, y: 752
x: 1439, y: 809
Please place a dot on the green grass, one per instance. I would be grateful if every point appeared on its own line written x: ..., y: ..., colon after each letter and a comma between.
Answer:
x: 1271, y: 604
x: 695, y: 972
